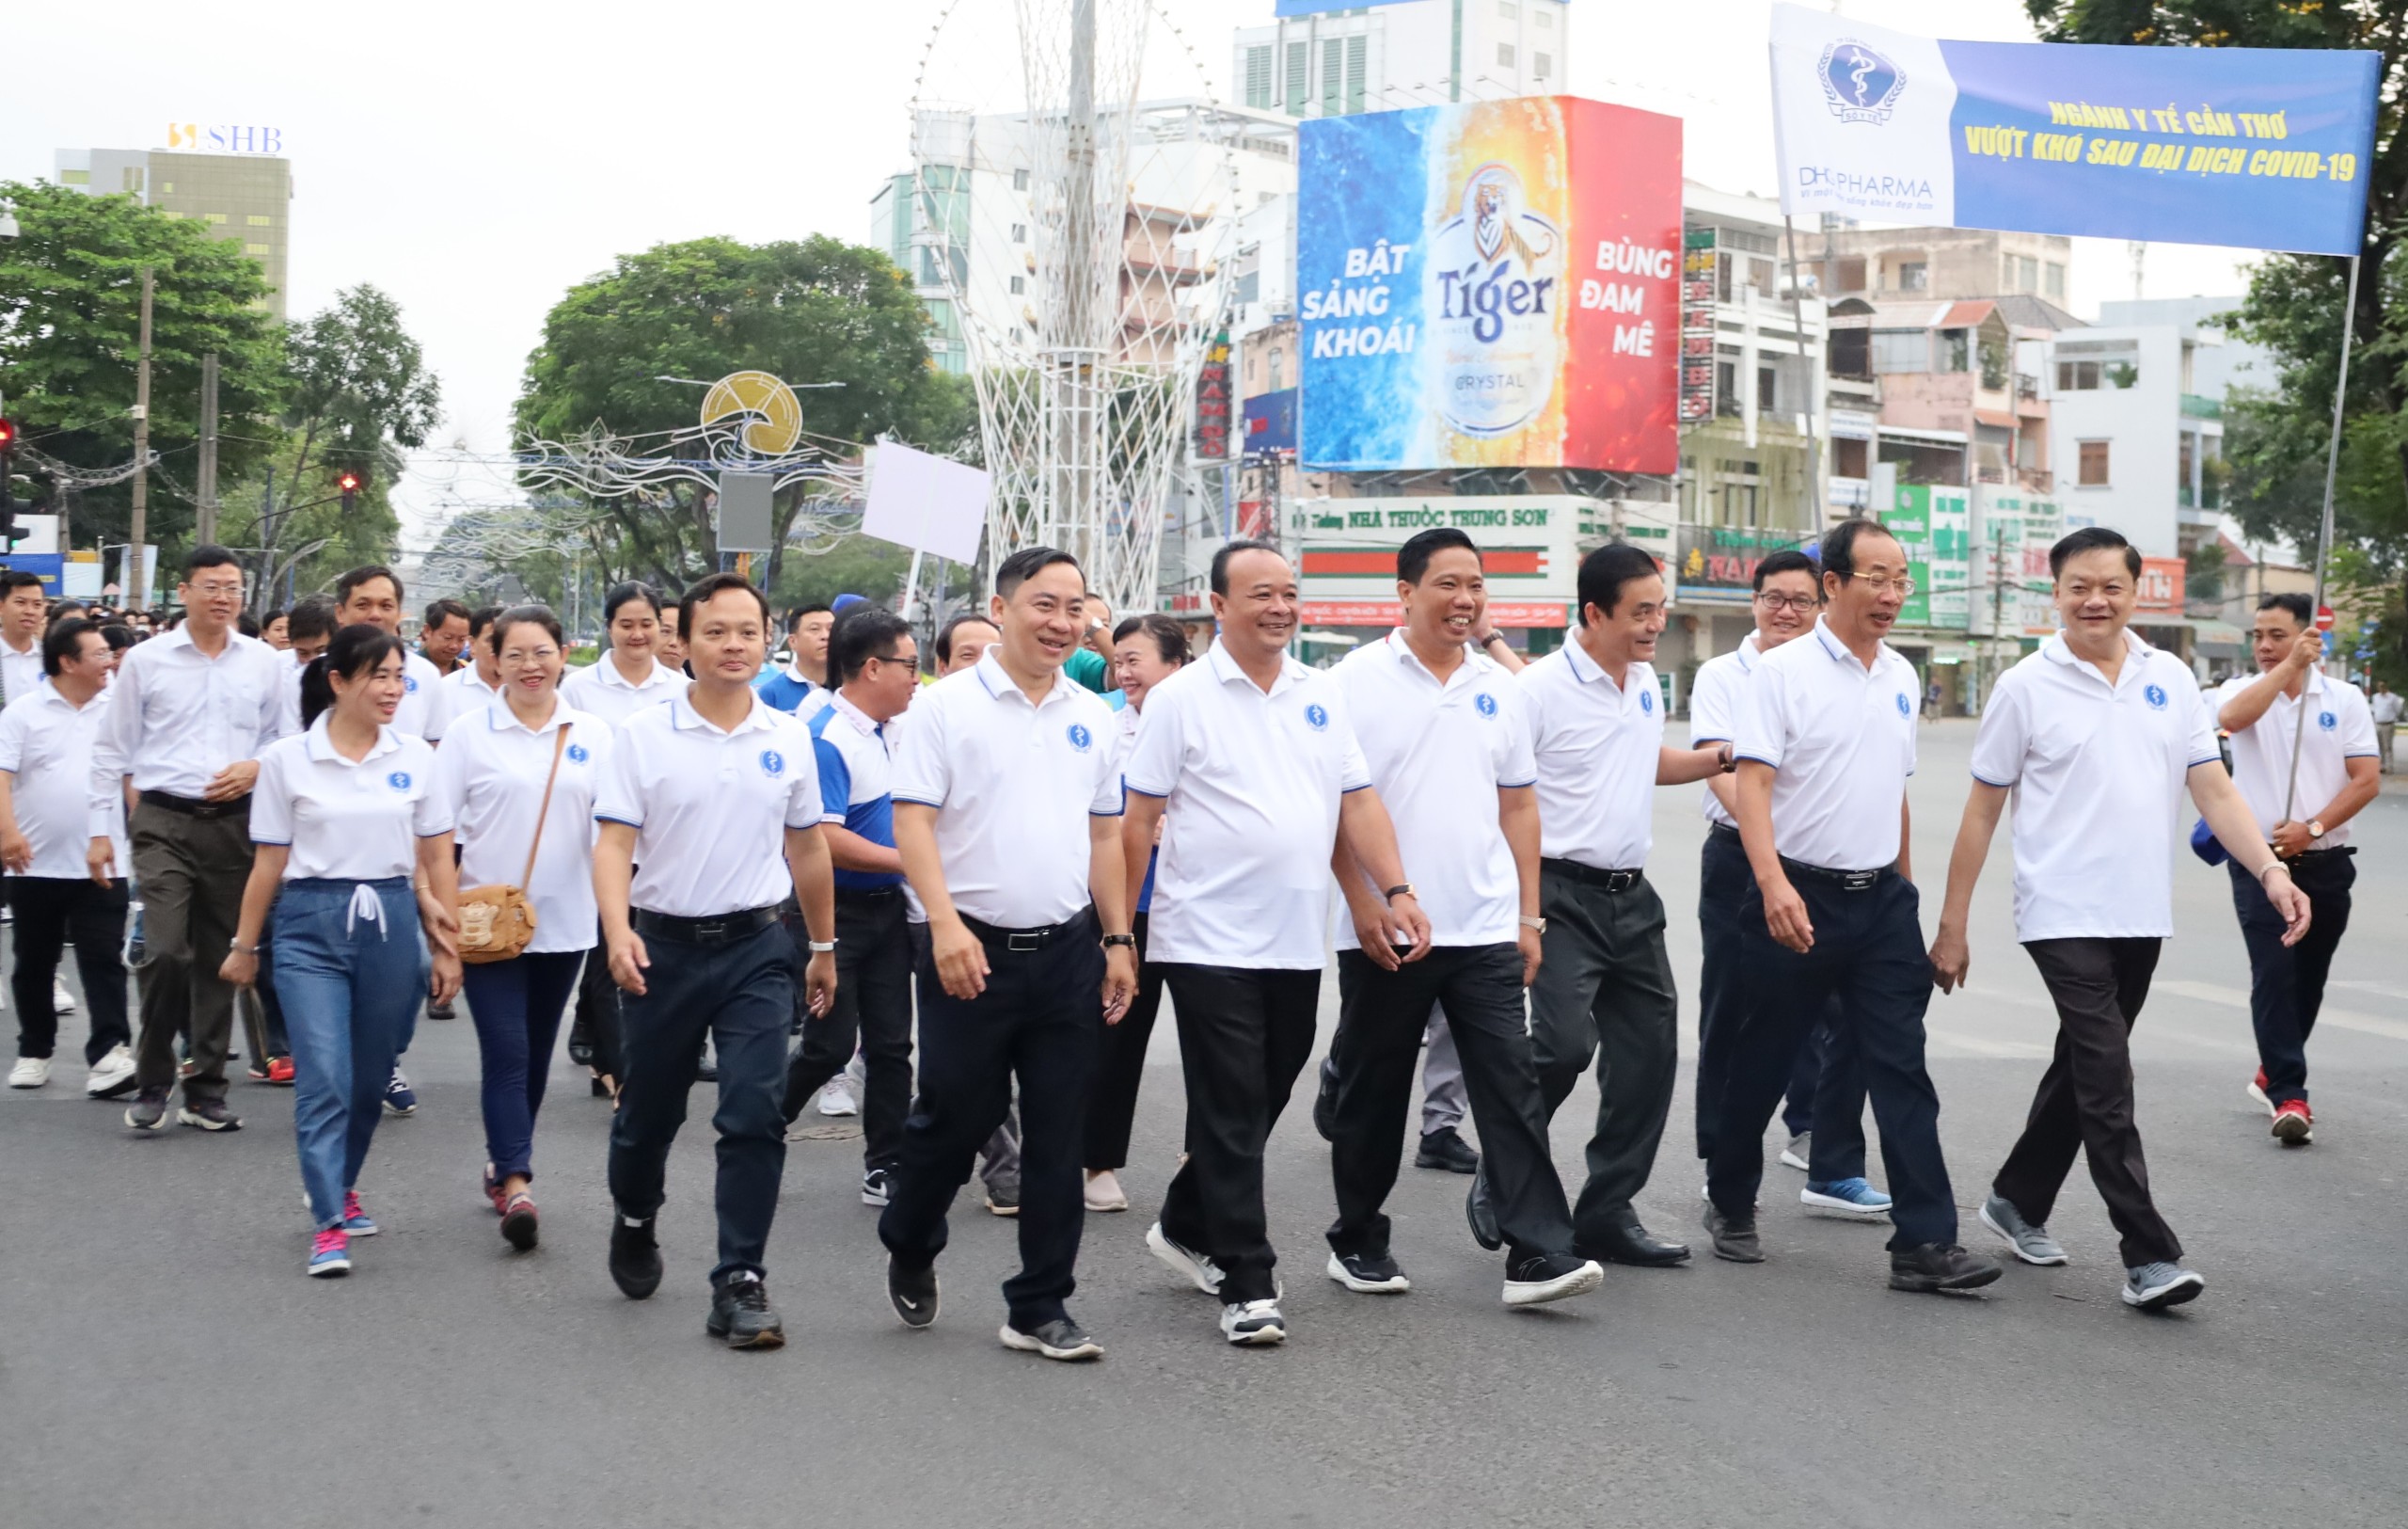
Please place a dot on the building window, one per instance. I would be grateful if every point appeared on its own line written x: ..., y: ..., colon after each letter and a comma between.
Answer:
x: 1019, y: 285
x: 1956, y: 353
x: 1738, y: 504
x: 1901, y: 350
x: 74, y: 176
x: 2089, y: 377
x: 259, y: 220
x: 2184, y: 459
x: 1852, y: 353
x: 212, y: 217
x: 1505, y: 56
x: 1847, y: 460
x: 1357, y: 67
x: 1299, y: 61
x: 1258, y: 78
x: 1543, y: 18
x: 1278, y: 369
x: 1508, y: 10
x: 1541, y: 66
x: 1020, y: 234
x: 1765, y: 391
x: 2057, y: 283
x: 130, y: 178
x: 2093, y: 472
x: 1333, y: 77
x: 1914, y: 275
x: 255, y: 249
x: 1020, y: 180
x: 167, y: 188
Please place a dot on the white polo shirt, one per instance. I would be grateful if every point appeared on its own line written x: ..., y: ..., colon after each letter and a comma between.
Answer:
x: 2340, y: 728
x: 20, y: 671
x: 46, y: 743
x: 470, y: 694
x: 347, y: 822
x: 1597, y: 745
x: 177, y: 717
x: 2097, y: 772
x: 1714, y: 701
x: 1841, y: 739
x: 489, y: 776
x: 1253, y: 783
x: 426, y: 711
x: 598, y: 690
x: 710, y: 808
x: 1439, y: 754
x: 1014, y: 784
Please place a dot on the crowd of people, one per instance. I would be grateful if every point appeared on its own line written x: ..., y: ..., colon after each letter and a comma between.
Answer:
x: 961, y: 898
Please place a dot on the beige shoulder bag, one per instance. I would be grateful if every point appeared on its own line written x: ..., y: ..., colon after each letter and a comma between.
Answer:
x: 496, y: 922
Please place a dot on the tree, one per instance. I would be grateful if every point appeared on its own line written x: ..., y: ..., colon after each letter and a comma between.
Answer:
x: 2275, y: 442
x: 816, y: 311
x: 71, y: 305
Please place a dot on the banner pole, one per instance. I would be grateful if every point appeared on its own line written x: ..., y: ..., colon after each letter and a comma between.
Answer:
x: 2325, y: 527
x: 1818, y: 512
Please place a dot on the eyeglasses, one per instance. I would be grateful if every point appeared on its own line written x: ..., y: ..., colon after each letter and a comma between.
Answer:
x: 1799, y: 603
x: 1881, y: 584
x: 218, y: 591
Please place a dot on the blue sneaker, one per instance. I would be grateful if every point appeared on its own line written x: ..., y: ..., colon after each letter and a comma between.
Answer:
x: 329, y: 1253
x: 1845, y: 1197
x: 399, y: 1098
x: 354, y: 1220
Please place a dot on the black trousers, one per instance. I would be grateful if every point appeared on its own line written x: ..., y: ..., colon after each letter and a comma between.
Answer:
x: 1243, y: 1035
x: 1826, y: 1090
x: 1120, y: 1068
x: 1869, y: 953
x: 873, y: 1006
x: 1036, y: 1021
x: 593, y: 1029
x: 2286, y: 983
x: 1380, y: 1020
x: 738, y: 995
x: 1605, y: 992
x: 2084, y: 1102
x: 52, y: 912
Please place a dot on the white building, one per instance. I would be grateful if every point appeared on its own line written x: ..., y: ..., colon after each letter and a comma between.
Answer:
x: 1342, y: 60
x: 2134, y: 444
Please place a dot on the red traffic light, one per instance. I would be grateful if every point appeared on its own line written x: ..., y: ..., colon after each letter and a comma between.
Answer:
x: 7, y: 434
x: 348, y: 483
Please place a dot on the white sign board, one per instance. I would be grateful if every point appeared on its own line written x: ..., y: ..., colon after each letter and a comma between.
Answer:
x: 928, y: 504
x: 37, y: 534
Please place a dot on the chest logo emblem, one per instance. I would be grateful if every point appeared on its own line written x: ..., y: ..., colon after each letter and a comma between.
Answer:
x: 1080, y: 737
x: 2327, y: 721
x: 1317, y: 717
x: 399, y: 780
x: 774, y: 764
x: 1486, y: 703
x: 409, y: 684
x: 1906, y: 707
x: 576, y: 753
x: 1647, y: 702
x: 2155, y: 696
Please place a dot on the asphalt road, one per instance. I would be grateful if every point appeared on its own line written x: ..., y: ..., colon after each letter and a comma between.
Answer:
x: 162, y: 1355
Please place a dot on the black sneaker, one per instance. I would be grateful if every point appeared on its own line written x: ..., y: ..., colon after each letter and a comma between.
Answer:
x: 1325, y: 1101
x: 913, y: 1293
x: 441, y: 1011
x: 208, y: 1115
x: 741, y: 1314
x: 1061, y: 1339
x: 1445, y: 1150
x: 1368, y: 1274
x: 1734, y: 1236
x: 1939, y: 1267
x: 878, y: 1186
x: 1004, y: 1199
x: 635, y: 1256
x: 1536, y: 1279
x: 149, y: 1109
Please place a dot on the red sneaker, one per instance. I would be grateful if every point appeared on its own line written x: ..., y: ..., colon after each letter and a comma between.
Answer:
x: 2294, y: 1126
x: 492, y: 1191
x: 279, y: 1069
x: 2258, y: 1092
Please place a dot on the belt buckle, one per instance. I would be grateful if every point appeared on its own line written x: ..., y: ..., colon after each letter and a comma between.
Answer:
x: 1859, y: 881
x: 1620, y: 881
x: 713, y: 930
x: 1023, y: 942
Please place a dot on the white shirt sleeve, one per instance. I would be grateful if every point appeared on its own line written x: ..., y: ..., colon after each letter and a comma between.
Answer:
x: 618, y: 795
x: 272, y: 717
x: 12, y: 737
x: 1710, y: 706
x: 1155, y: 758
x: 272, y: 797
x: 2357, y: 727
x: 922, y: 772
x: 113, y: 745
x: 804, y: 809
x: 2004, y: 737
x: 2204, y: 748
x: 1759, y: 718
x: 439, y: 710
x: 431, y: 815
x: 1517, y: 764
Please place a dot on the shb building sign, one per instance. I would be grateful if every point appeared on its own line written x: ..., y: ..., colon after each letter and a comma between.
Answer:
x: 225, y: 138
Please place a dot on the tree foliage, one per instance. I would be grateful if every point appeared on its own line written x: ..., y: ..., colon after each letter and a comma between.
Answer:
x: 816, y: 311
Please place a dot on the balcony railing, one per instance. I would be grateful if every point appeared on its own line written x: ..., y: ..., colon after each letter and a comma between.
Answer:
x: 2200, y: 406
x: 2026, y: 385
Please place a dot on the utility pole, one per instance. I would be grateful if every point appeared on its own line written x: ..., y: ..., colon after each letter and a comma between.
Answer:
x: 206, y: 511
x: 136, y: 577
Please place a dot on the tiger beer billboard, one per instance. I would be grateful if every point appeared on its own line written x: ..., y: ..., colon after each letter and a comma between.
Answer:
x: 1490, y: 285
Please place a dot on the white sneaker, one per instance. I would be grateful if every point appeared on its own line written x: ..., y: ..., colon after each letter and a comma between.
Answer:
x: 29, y: 1073
x: 61, y: 1001
x: 111, y: 1075
x: 837, y: 1098
x: 1255, y: 1324
x: 1104, y: 1193
x: 1191, y: 1266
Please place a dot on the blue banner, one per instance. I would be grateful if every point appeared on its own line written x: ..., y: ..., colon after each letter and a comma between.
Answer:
x: 1270, y: 423
x: 2263, y: 148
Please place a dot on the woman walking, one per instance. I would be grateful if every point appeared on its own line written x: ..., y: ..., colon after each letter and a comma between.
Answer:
x: 347, y: 827
x: 519, y: 779
x: 1146, y: 650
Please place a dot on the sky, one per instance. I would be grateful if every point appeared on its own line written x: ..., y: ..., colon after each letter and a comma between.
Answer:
x: 475, y: 160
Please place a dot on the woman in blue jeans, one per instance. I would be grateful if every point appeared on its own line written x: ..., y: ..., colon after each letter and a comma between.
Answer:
x: 527, y: 755
x: 354, y: 848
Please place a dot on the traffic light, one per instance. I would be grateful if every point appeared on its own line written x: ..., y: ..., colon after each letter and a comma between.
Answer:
x: 8, y: 534
x: 348, y: 485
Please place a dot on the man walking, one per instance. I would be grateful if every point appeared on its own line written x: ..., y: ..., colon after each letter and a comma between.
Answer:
x: 23, y: 609
x: 1247, y: 761
x: 1443, y: 731
x: 2305, y: 813
x: 1826, y: 739
x: 2386, y: 708
x: 802, y: 686
x: 188, y: 713
x: 475, y: 683
x: 1006, y: 810
x: 445, y: 631
x: 2096, y: 735
x: 372, y: 596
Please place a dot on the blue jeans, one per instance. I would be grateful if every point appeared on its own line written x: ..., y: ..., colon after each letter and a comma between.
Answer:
x: 517, y: 1006
x: 347, y: 974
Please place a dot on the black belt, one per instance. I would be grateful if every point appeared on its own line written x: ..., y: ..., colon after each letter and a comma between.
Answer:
x: 2324, y: 854
x: 1026, y: 941
x: 847, y: 893
x: 195, y: 808
x: 1610, y: 880
x: 1847, y: 881
x: 718, y: 928
x: 1722, y: 828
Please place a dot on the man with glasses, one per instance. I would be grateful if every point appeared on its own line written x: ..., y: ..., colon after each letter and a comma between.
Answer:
x: 189, y: 712
x: 1825, y: 1112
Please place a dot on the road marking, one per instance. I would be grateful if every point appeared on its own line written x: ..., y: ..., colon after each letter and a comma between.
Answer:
x: 2345, y: 1019
x: 2381, y: 990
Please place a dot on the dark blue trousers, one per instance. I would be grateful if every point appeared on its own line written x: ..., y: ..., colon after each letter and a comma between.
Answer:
x: 516, y: 1006
x: 740, y: 993
x: 1869, y: 953
x: 2287, y: 983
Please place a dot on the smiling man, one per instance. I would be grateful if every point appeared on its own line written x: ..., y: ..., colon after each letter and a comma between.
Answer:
x: 2096, y: 735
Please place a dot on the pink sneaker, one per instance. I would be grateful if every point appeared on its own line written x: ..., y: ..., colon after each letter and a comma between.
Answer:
x: 330, y: 1253
x: 354, y: 1220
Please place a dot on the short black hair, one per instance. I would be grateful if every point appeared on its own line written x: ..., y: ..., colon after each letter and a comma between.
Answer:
x: 443, y: 611
x: 1027, y: 564
x: 1170, y: 638
x: 703, y: 589
x: 1413, y: 558
x: 312, y: 618
x: 525, y: 615
x: 12, y: 579
x: 2295, y: 603
x: 1839, y: 544
x: 64, y: 640
x: 357, y: 577
x: 118, y: 635
x: 1229, y: 549
x: 1605, y: 571
x: 794, y: 617
x: 2093, y: 539
x: 209, y: 555
x: 621, y: 594
x: 868, y: 632
x: 944, y: 633
x: 247, y: 624
x: 356, y: 651
x: 483, y: 616
x: 1788, y: 560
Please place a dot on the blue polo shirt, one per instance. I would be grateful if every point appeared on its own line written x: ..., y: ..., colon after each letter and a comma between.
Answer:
x: 855, y: 785
x: 782, y: 689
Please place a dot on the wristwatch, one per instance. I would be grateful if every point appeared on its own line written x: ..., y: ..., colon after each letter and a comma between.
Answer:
x: 1538, y: 925
x: 820, y: 947
x: 2316, y: 828
x: 1129, y: 940
x: 1402, y: 889
x: 1494, y: 637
